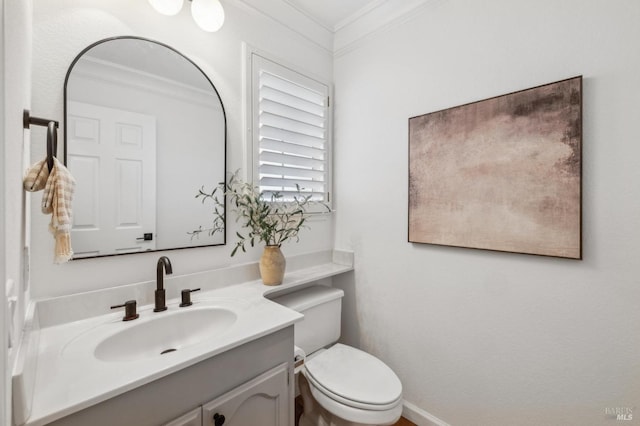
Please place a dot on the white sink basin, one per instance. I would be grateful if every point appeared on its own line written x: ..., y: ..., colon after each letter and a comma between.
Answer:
x: 155, y: 334
x: 164, y: 333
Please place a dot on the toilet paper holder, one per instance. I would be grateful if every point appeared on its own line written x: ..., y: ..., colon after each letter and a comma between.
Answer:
x: 298, y: 357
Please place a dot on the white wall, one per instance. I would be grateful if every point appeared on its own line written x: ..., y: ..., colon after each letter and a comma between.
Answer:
x: 480, y: 337
x: 16, y: 57
x: 62, y: 28
x: 4, y: 373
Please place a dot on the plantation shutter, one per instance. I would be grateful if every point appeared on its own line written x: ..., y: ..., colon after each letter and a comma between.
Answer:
x: 291, y: 120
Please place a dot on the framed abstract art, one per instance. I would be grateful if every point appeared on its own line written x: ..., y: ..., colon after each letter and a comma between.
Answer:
x: 501, y: 174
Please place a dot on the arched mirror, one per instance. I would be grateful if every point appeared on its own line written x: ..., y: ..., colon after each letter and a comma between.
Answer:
x: 144, y: 129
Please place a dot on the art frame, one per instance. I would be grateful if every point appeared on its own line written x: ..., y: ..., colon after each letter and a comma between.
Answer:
x: 501, y: 174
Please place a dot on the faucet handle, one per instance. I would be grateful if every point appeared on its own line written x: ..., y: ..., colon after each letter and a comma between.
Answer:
x: 186, y: 297
x: 129, y: 310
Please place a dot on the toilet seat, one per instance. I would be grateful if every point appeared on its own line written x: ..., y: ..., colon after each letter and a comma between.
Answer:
x: 317, y: 387
x: 354, y: 378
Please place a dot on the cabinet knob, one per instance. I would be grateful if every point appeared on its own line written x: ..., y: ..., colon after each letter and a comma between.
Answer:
x: 218, y: 419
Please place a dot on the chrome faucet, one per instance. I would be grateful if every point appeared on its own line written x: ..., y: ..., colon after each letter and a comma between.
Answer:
x: 163, y: 263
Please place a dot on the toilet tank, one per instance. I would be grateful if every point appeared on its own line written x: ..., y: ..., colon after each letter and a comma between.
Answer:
x: 322, y: 308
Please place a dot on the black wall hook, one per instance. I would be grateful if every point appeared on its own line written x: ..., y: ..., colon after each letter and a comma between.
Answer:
x: 52, y: 133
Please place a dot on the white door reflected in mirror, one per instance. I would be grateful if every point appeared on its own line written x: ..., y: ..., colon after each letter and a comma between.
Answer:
x: 113, y: 156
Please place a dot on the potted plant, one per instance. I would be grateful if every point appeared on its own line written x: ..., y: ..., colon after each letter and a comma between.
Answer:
x: 269, y: 218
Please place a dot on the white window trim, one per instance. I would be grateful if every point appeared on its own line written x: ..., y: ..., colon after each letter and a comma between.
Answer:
x: 250, y: 147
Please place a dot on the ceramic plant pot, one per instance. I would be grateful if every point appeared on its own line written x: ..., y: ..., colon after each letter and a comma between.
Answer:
x: 272, y: 265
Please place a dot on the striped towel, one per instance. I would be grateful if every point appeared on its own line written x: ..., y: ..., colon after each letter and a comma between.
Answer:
x: 58, y: 185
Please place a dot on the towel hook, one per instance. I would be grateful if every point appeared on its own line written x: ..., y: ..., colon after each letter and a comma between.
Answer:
x: 52, y: 134
x: 52, y: 143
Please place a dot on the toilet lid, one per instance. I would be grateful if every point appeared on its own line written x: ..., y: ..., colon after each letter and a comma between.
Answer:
x: 355, y: 375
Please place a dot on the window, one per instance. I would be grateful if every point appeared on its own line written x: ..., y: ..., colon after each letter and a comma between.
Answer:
x: 290, y: 137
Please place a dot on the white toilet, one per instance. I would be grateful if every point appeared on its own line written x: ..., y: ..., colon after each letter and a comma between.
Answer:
x: 340, y: 385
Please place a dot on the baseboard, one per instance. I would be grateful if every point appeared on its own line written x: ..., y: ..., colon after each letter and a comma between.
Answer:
x: 419, y: 416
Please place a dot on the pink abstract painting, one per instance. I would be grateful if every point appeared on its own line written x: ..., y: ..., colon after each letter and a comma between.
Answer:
x: 501, y: 174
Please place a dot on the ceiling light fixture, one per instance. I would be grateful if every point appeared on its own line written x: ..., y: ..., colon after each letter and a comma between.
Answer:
x: 208, y: 14
x: 167, y: 7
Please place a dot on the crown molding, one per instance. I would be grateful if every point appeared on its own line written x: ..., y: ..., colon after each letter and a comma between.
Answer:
x: 310, y: 16
x: 285, y: 14
x: 348, y: 34
x: 375, y: 19
x: 123, y: 76
x: 358, y: 14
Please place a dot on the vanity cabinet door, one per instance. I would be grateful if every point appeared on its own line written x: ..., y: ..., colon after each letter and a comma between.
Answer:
x: 262, y: 401
x: 192, y: 418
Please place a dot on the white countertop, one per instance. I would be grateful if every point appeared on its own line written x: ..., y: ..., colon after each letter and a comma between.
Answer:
x: 69, y: 378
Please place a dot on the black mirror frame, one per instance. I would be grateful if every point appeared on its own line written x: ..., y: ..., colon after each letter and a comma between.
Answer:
x: 224, y: 115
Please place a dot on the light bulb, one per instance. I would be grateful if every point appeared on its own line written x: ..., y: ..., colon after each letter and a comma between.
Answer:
x: 208, y: 14
x: 167, y: 7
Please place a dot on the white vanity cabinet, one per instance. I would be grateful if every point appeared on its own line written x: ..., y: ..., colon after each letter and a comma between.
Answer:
x: 192, y: 418
x: 250, y: 385
x: 262, y: 401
